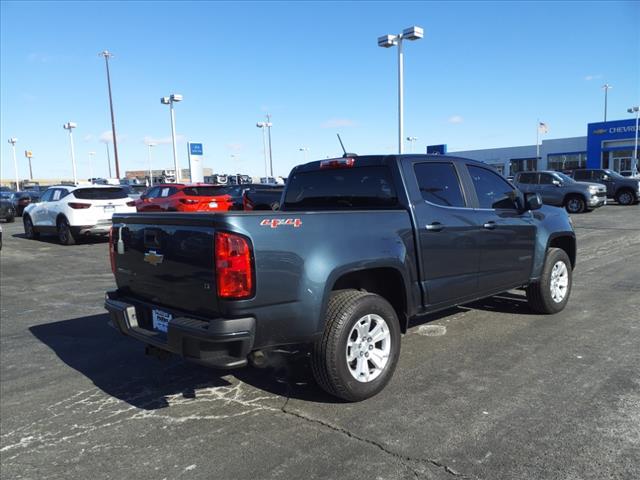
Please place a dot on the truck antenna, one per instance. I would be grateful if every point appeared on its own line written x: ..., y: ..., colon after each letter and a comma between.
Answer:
x: 345, y: 154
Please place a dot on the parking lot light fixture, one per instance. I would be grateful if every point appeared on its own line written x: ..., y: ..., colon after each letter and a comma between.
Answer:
x: 13, y: 141
x: 305, y: 150
x: 91, y: 155
x: 634, y: 161
x: 386, y: 41
x: 70, y: 126
x: 170, y: 100
x: 263, y: 126
x: 107, y: 55
x: 149, y: 146
x: 411, y: 140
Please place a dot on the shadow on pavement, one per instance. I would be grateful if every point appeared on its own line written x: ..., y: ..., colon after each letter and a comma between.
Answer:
x: 117, y: 365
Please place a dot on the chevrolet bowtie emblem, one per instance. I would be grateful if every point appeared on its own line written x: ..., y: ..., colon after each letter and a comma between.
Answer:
x: 153, y: 258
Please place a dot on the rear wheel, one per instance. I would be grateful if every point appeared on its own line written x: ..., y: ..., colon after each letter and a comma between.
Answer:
x: 575, y: 204
x: 64, y: 232
x: 551, y: 293
x: 625, y: 197
x: 359, y: 348
x: 29, y: 230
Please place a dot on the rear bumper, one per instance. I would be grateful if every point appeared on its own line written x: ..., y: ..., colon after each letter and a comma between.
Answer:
x: 218, y: 343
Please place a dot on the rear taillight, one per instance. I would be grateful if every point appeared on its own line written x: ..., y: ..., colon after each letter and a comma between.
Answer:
x: 79, y: 206
x: 234, y: 273
x: 338, y: 163
x: 132, y: 203
x: 112, y: 251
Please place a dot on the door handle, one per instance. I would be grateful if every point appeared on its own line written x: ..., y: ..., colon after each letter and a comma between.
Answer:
x: 490, y: 225
x: 434, y: 227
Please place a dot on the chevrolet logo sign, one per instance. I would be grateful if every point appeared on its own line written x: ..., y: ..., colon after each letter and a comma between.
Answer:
x: 153, y: 258
x: 600, y: 131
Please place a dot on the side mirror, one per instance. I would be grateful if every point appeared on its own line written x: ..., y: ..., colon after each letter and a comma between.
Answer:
x: 532, y: 201
x: 606, y: 177
x: 557, y: 183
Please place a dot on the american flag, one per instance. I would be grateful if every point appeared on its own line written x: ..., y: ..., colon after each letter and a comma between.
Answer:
x: 542, y: 127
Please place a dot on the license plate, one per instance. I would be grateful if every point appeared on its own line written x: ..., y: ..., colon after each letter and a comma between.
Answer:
x: 161, y: 320
x: 109, y: 209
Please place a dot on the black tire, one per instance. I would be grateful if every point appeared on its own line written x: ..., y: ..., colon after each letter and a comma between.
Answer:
x: 65, y: 236
x: 329, y: 361
x: 625, y: 197
x: 539, y: 294
x: 29, y: 230
x: 575, y: 204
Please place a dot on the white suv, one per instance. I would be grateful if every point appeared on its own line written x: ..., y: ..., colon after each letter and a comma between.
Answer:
x: 73, y: 211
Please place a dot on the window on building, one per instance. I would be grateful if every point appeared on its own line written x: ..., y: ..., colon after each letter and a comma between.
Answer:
x: 563, y: 162
x: 523, y: 165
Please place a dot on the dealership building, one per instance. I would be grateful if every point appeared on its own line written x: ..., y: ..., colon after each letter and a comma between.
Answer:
x: 606, y: 145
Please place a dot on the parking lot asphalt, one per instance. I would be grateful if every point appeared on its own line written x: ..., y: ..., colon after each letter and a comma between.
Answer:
x: 488, y: 390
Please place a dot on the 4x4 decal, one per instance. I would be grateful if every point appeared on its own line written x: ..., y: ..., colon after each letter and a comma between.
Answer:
x: 276, y: 222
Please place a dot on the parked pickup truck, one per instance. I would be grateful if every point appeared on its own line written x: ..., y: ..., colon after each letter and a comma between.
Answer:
x: 625, y: 190
x: 559, y: 189
x: 360, y: 246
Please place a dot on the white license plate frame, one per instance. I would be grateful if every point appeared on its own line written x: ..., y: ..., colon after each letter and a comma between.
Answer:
x: 160, y: 320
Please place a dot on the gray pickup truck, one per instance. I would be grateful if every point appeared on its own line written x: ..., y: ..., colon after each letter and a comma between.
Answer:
x: 361, y: 246
x: 625, y: 191
x: 560, y: 190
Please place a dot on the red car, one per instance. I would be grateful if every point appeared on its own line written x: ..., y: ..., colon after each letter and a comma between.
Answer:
x: 178, y: 197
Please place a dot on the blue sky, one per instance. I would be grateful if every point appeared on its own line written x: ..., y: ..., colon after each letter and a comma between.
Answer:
x: 482, y: 75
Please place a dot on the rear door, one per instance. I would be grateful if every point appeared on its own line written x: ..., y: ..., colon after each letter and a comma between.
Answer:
x: 447, y: 233
x: 507, y: 236
x: 54, y: 206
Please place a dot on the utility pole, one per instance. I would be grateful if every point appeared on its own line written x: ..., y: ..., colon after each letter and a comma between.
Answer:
x: 13, y: 141
x: 107, y: 55
x: 270, y: 152
x: 606, y: 88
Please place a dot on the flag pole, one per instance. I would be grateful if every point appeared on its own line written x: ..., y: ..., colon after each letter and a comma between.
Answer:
x: 537, y: 141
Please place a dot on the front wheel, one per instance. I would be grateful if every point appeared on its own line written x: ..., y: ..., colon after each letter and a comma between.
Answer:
x: 625, y: 197
x: 360, y: 346
x: 551, y: 293
x: 575, y: 204
x: 29, y: 230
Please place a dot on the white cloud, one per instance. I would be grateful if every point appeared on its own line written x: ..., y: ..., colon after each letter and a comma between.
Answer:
x: 592, y: 77
x: 106, y: 137
x: 455, y: 119
x: 338, y: 123
x: 162, y: 140
x: 235, y: 147
x: 89, y: 137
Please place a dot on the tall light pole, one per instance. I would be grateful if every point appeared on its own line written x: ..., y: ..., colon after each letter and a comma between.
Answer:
x: 70, y: 126
x: 91, y: 155
x: 606, y: 87
x: 263, y: 126
x: 13, y: 141
x: 634, y: 161
x: 28, y: 154
x: 149, y: 145
x: 170, y: 100
x: 108, y: 158
x: 107, y: 55
x: 386, y: 41
x: 411, y: 140
x: 305, y: 150
x: 269, y: 125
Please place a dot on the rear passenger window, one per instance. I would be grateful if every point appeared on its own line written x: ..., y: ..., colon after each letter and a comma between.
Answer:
x: 527, y: 178
x: 492, y: 190
x: 439, y: 184
x: 581, y: 175
x: 546, y: 179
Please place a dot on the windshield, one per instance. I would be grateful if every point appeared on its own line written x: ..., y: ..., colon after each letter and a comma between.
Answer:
x: 614, y: 174
x: 565, y: 178
x: 342, y: 188
x: 100, y: 193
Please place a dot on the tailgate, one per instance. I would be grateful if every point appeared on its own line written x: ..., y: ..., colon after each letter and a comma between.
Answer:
x: 167, y: 260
